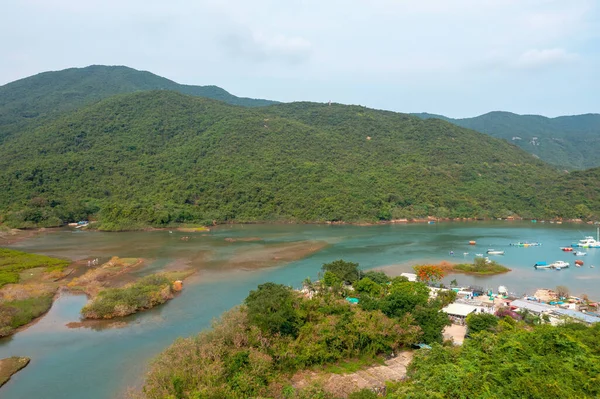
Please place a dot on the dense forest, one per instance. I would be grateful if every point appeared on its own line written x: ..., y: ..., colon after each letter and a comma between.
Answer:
x: 260, y: 349
x: 159, y: 158
x: 33, y: 100
x: 568, y: 142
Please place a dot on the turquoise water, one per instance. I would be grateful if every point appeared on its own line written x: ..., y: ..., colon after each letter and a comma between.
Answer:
x: 104, y: 363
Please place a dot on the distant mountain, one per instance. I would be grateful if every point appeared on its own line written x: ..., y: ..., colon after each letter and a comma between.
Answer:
x: 160, y: 157
x: 33, y: 99
x: 568, y: 142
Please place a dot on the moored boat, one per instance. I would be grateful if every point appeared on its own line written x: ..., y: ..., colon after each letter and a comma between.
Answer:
x: 559, y: 264
x: 580, y: 253
x: 567, y: 249
x: 542, y: 265
x: 494, y: 252
x: 526, y: 244
x: 589, y: 241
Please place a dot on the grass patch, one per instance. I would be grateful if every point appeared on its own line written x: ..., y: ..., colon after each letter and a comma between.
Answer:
x: 14, y: 262
x: 118, y: 302
x: 17, y: 313
x: 353, y: 365
x: 481, y: 266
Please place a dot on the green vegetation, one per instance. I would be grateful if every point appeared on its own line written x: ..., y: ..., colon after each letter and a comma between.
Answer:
x: 543, y: 362
x: 161, y: 158
x: 17, y: 313
x: 245, y: 356
x: 254, y: 349
x: 342, y: 271
x: 144, y: 294
x: 481, y: 322
x: 568, y: 142
x: 13, y: 262
x: 37, y: 99
x: 481, y: 266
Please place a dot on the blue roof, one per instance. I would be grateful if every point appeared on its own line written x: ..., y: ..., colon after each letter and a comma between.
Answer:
x: 588, y: 318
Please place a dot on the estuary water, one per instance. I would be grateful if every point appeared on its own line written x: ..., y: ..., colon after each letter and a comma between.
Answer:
x: 100, y: 363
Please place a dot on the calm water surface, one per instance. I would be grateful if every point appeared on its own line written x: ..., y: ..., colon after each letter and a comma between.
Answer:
x: 104, y: 363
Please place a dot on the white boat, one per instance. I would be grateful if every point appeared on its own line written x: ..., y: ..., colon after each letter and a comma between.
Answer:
x: 559, y: 264
x: 494, y: 252
x: 589, y: 241
x: 580, y: 253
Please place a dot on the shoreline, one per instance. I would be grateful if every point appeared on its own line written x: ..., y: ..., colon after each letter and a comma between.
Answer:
x: 205, y: 229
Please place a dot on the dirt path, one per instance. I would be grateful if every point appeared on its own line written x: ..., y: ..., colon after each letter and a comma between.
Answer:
x: 341, y: 385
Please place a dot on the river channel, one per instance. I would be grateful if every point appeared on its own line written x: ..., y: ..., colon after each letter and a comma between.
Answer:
x: 102, y: 362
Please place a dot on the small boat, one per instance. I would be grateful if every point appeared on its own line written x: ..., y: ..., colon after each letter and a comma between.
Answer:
x: 542, y: 265
x: 472, y: 242
x: 567, y: 249
x: 479, y: 255
x: 579, y: 253
x: 494, y: 252
x: 592, y: 266
x: 559, y: 264
x: 589, y: 241
x: 578, y: 263
x: 526, y: 244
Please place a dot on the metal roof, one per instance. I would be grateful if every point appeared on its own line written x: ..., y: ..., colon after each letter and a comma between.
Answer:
x: 532, y: 306
x: 460, y: 309
x: 577, y: 315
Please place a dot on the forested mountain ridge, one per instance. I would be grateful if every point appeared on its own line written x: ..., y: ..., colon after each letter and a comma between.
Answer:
x: 160, y: 157
x: 568, y: 142
x: 33, y: 99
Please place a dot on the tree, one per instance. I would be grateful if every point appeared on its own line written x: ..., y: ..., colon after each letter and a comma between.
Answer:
x: 429, y: 273
x: 270, y: 308
x: 404, y: 297
x: 367, y: 286
x: 347, y: 272
x: 477, y: 322
x: 330, y: 279
x: 432, y: 322
x: 562, y: 291
x: 377, y: 277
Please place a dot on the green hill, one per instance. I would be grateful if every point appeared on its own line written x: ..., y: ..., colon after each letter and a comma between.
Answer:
x: 160, y: 157
x: 33, y: 99
x: 568, y: 142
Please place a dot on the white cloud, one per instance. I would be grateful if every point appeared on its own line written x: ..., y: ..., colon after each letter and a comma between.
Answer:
x: 535, y: 59
x: 261, y: 47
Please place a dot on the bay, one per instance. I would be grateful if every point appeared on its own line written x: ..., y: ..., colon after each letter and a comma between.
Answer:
x: 103, y: 362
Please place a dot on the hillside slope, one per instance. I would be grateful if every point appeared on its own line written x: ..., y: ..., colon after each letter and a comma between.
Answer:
x: 568, y: 142
x: 155, y: 158
x: 37, y: 97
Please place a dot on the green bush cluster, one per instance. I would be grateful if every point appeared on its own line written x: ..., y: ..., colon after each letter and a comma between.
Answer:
x: 117, y: 302
x: 253, y: 349
x: 13, y: 262
x: 543, y: 362
x: 16, y: 313
x: 482, y: 266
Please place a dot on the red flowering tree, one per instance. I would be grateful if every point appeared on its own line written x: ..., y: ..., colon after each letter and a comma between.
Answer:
x: 429, y: 273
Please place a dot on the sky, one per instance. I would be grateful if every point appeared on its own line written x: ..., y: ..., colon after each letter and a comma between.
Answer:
x: 458, y: 58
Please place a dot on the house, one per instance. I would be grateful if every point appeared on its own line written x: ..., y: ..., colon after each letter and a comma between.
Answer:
x: 458, y: 311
